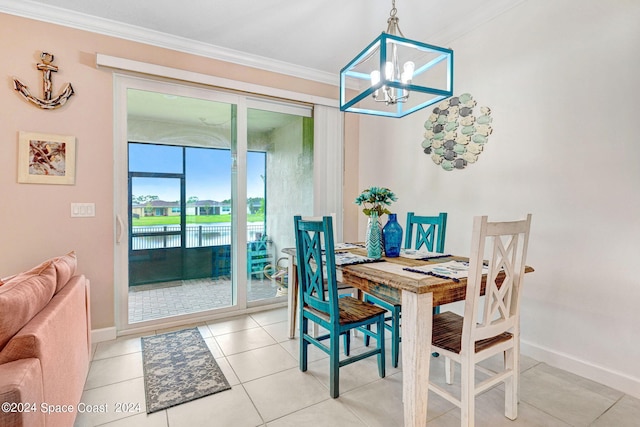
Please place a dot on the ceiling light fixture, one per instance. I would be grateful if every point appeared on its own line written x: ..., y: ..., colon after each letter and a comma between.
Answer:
x: 395, y: 76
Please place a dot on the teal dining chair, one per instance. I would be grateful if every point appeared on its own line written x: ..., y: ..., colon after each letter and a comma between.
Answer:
x: 343, y: 288
x: 429, y: 232
x: 319, y: 302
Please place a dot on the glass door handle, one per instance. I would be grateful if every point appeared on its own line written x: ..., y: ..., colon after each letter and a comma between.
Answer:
x: 119, y: 228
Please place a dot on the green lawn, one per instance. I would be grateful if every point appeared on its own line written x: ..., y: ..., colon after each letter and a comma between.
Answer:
x: 191, y: 219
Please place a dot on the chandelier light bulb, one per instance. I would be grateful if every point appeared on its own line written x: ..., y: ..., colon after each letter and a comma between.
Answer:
x: 407, y: 75
x: 388, y: 70
x: 375, y: 77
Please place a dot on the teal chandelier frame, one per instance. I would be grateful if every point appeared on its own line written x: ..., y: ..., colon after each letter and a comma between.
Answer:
x: 395, y: 76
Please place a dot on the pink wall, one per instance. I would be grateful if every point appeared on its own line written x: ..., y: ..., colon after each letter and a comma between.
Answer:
x: 35, y: 221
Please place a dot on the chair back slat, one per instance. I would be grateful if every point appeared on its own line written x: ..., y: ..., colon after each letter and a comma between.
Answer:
x: 505, y: 246
x: 312, y: 275
x: 429, y: 231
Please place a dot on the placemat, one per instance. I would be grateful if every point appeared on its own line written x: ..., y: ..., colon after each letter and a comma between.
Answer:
x: 348, y: 258
x: 341, y: 246
x: 454, y: 270
x: 421, y: 254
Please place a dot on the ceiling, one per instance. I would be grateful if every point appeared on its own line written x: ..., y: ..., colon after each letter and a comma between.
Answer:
x: 309, y: 38
x: 312, y: 39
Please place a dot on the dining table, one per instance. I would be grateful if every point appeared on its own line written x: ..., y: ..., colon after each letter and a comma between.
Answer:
x: 412, y: 280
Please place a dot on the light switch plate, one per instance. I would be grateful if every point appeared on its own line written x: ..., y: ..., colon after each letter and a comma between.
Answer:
x: 79, y: 210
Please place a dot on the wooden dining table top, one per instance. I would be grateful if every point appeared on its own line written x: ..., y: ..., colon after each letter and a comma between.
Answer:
x: 388, y: 279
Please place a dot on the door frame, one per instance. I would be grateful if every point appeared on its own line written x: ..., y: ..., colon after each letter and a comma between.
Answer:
x: 121, y: 199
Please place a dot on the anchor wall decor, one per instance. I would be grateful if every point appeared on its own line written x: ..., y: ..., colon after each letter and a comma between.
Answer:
x: 48, y: 103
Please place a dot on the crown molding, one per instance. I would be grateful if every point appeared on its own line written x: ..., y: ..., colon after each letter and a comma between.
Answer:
x: 469, y: 21
x: 81, y: 21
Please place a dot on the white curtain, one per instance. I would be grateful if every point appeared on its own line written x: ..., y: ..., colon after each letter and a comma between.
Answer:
x: 328, y: 159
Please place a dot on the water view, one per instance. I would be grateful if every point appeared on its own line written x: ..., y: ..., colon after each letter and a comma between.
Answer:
x: 196, y: 235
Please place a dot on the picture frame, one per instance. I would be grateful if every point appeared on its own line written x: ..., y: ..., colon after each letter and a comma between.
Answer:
x: 46, y: 158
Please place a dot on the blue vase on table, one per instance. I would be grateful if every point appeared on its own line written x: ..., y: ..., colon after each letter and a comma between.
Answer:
x: 373, y: 237
x: 392, y: 237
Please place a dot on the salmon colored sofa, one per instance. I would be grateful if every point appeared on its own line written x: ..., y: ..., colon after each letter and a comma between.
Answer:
x: 44, y: 344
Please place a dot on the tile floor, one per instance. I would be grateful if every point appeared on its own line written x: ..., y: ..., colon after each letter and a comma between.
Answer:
x: 268, y: 389
x: 158, y: 300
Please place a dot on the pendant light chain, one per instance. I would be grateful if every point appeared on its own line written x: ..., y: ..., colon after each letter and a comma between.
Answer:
x: 392, y: 23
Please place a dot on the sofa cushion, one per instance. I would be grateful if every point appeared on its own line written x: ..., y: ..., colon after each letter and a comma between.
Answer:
x: 24, y: 296
x: 65, y: 266
x: 4, y: 280
x: 35, y: 271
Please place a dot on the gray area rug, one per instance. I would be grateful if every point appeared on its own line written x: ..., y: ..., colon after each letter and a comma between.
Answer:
x: 178, y: 368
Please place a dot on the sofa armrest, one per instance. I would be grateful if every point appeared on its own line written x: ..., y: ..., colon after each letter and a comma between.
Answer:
x: 61, y: 327
x: 59, y: 339
x: 21, y: 389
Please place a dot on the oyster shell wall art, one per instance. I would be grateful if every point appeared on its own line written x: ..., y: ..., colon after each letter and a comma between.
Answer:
x: 456, y: 132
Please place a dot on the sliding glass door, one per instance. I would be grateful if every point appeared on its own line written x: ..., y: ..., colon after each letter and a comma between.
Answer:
x: 287, y: 145
x: 207, y: 184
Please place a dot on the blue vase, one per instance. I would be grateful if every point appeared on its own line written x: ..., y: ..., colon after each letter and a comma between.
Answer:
x: 392, y: 237
x: 373, y: 237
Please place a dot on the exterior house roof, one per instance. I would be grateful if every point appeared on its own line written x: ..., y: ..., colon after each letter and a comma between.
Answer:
x: 165, y: 204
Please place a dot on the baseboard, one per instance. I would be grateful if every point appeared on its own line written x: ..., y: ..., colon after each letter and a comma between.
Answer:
x: 104, y: 334
x: 609, y: 377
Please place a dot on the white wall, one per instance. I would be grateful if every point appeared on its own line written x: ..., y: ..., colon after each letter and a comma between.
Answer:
x: 561, y: 79
x: 289, y: 189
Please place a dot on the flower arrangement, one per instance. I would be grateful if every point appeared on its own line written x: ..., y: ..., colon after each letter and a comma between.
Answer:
x: 375, y: 199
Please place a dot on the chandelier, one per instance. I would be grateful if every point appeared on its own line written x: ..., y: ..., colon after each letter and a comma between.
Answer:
x: 395, y: 76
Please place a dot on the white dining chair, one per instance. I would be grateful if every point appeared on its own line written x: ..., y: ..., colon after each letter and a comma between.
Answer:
x: 491, y: 325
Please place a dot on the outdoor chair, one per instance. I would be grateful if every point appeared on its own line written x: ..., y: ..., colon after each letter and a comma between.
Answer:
x: 259, y: 255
